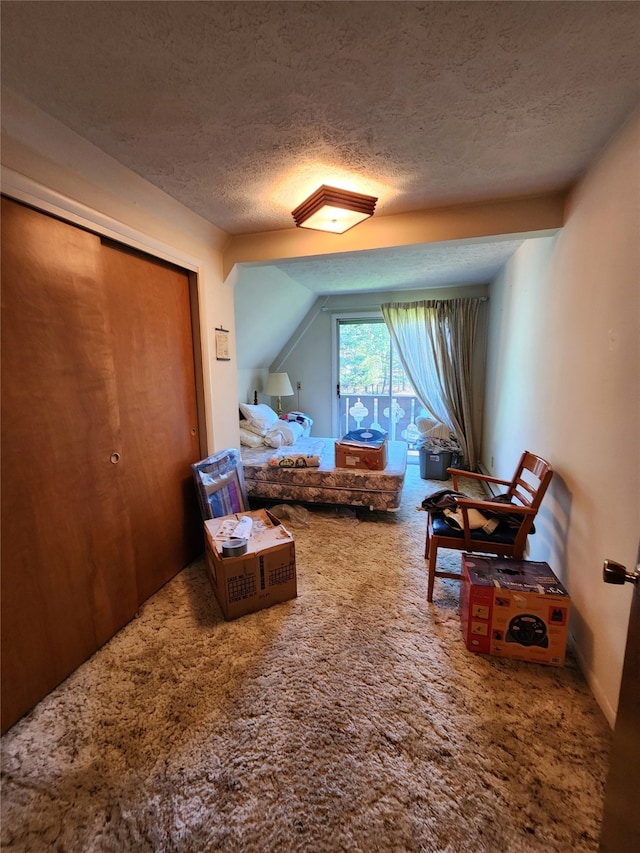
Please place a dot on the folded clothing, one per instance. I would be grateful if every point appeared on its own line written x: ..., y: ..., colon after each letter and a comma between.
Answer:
x: 283, y: 433
x: 477, y: 521
x: 250, y: 439
x: 294, y: 460
x: 298, y: 417
x: 445, y: 502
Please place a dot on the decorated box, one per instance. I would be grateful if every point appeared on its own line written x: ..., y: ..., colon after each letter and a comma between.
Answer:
x: 513, y: 609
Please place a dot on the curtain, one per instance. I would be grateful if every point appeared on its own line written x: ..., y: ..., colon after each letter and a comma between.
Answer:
x: 434, y: 339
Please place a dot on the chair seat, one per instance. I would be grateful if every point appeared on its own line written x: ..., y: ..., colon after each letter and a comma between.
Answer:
x: 503, y: 534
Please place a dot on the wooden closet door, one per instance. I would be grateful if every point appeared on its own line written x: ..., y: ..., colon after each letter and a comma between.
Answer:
x: 68, y: 575
x: 152, y: 345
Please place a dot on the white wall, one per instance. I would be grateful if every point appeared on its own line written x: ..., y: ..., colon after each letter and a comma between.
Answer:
x: 563, y: 381
x: 268, y: 305
x: 53, y: 168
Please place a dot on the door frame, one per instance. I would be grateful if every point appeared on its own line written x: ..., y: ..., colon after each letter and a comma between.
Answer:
x: 620, y: 829
x: 336, y: 316
x: 42, y: 198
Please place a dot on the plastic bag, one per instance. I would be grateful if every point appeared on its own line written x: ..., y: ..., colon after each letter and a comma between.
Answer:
x: 293, y: 513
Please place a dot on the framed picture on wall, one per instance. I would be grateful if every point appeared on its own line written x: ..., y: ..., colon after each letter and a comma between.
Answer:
x: 222, y: 344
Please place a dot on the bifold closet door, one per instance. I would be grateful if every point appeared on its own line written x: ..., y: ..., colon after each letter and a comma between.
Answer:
x: 99, y: 430
x: 68, y: 570
x: 152, y: 347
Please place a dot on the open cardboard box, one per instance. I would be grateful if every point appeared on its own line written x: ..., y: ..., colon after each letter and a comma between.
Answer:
x: 264, y: 575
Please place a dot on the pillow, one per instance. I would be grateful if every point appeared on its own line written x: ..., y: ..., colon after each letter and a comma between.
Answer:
x: 283, y: 433
x: 259, y: 419
x: 250, y: 439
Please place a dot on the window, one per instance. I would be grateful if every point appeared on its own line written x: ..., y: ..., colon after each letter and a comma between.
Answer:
x: 372, y: 388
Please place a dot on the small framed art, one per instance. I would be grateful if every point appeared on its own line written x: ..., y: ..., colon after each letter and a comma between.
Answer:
x: 222, y: 344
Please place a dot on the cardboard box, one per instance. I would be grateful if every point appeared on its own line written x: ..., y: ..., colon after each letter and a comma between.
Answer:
x: 513, y: 609
x: 365, y: 458
x: 264, y: 575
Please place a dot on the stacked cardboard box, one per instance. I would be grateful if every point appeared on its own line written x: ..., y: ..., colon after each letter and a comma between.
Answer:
x: 264, y: 575
x: 513, y: 609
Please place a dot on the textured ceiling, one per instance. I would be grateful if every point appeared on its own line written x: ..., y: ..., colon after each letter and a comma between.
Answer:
x: 408, y: 268
x: 240, y: 109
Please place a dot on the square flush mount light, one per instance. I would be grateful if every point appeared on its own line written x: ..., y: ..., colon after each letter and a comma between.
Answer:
x: 334, y: 210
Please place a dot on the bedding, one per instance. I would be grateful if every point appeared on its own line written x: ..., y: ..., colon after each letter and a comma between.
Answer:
x: 278, y: 435
x: 258, y: 419
x: 250, y: 439
x: 260, y: 425
x: 324, y: 483
x: 300, y: 418
x: 283, y: 433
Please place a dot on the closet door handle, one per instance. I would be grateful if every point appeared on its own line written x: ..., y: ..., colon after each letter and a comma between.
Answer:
x: 613, y: 572
x: 115, y: 457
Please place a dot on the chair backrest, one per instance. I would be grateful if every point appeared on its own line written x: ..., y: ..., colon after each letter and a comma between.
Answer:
x: 530, y: 481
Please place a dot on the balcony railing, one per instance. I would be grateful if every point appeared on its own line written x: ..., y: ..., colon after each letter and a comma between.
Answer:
x: 395, y: 416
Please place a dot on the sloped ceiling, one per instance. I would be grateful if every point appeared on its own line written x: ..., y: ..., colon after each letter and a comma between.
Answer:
x: 240, y: 109
x: 406, y: 268
x: 263, y: 289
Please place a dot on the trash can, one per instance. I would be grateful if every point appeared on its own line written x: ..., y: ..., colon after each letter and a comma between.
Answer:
x: 434, y: 464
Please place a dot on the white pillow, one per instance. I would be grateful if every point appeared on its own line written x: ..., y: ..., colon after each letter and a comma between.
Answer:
x: 259, y: 419
x: 250, y: 439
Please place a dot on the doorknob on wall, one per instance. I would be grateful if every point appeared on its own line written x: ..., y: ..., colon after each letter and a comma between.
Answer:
x: 613, y: 572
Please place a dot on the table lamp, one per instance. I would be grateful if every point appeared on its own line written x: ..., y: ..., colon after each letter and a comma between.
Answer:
x: 278, y: 385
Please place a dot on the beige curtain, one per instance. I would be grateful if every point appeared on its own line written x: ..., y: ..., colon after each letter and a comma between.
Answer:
x: 434, y: 339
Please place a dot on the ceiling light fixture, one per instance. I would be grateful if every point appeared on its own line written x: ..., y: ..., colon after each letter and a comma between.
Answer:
x: 334, y: 210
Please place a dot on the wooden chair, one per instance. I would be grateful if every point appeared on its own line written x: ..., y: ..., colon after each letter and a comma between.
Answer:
x: 525, y: 492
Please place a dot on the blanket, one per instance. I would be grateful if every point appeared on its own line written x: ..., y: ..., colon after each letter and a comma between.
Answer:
x: 283, y: 433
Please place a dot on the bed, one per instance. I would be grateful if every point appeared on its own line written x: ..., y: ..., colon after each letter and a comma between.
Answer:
x: 324, y: 483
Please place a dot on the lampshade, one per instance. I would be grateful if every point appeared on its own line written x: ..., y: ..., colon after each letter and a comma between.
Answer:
x: 334, y: 210
x: 278, y: 385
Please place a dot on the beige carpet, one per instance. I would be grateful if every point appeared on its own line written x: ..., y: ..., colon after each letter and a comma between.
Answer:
x: 349, y: 719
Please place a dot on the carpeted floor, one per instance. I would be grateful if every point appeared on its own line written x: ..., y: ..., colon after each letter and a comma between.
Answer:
x: 349, y: 719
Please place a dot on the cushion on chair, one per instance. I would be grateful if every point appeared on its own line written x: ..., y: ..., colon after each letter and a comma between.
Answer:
x: 503, y: 534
